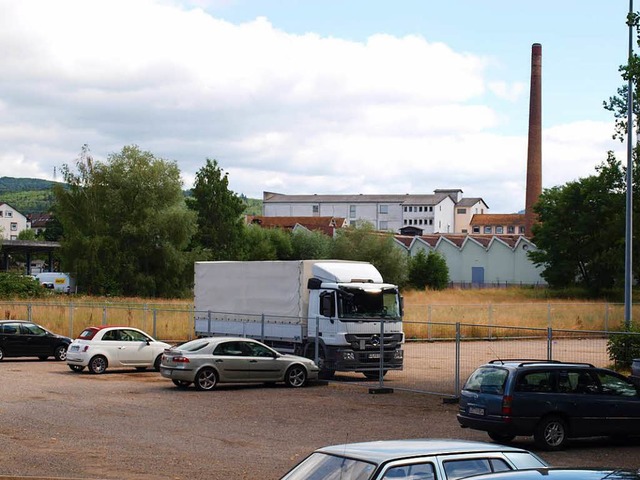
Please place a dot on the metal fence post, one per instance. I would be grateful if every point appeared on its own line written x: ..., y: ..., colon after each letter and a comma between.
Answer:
x: 262, y: 329
x: 429, y: 322
x: 154, y: 323
x: 209, y: 322
x: 104, y: 315
x: 71, y: 319
x: 29, y: 314
x: 490, y: 321
x: 549, y: 315
x: 606, y: 317
x: 456, y: 375
x: 381, y: 363
x: 317, y: 343
x: 549, y: 343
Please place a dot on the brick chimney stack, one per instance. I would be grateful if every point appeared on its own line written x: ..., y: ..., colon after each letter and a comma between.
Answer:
x: 534, y: 151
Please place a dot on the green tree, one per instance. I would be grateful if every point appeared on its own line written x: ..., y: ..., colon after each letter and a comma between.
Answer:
x: 219, y: 213
x: 27, y: 234
x: 126, y: 225
x: 361, y: 242
x: 580, y: 237
x: 428, y: 271
x: 310, y: 245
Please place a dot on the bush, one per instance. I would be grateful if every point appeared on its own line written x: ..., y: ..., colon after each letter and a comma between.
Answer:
x: 428, y: 271
x: 623, y: 347
x: 13, y: 285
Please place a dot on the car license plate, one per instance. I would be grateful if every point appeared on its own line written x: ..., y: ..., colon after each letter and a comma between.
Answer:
x: 476, y: 411
x: 374, y: 355
x: 75, y: 348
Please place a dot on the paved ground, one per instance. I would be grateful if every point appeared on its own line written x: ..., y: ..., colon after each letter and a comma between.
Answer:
x: 137, y: 425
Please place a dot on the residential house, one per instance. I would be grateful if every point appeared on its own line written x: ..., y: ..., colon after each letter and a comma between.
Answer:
x: 12, y: 222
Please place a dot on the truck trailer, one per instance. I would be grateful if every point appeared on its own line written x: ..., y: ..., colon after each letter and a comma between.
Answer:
x: 339, y: 313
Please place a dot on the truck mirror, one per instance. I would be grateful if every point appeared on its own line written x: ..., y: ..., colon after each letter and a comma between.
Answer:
x: 328, y: 305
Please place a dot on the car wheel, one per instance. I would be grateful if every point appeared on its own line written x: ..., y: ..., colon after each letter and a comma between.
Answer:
x: 1, y: 354
x: 156, y: 363
x: 76, y: 368
x: 551, y: 433
x: 206, y: 379
x: 98, y: 364
x: 374, y: 375
x: 296, y: 376
x: 500, y: 437
x: 181, y: 384
x: 60, y: 353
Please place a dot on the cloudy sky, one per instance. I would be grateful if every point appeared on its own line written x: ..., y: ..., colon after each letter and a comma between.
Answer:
x: 314, y: 96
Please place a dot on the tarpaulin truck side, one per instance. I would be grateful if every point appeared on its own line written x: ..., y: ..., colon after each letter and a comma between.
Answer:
x: 337, y: 308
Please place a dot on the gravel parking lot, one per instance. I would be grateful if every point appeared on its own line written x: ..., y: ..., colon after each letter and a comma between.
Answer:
x: 137, y: 425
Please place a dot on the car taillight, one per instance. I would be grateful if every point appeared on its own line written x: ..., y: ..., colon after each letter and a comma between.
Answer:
x: 506, y: 405
x: 180, y: 359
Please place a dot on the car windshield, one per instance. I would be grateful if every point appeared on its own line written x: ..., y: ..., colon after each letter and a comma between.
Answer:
x: 487, y: 380
x: 359, y: 303
x: 320, y: 466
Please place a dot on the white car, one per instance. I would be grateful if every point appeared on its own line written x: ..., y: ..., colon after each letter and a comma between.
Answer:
x: 99, y: 348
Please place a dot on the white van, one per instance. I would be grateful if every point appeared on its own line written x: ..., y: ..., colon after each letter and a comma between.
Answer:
x: 57, y: 281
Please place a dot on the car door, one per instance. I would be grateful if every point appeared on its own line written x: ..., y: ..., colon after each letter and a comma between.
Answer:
x: 232, y: 361
x: 620, y: 402
x: 578, y: 399
x: 12, y: 340
x: 266, y: 366
x: 36, y: 339
x: 134, y: 349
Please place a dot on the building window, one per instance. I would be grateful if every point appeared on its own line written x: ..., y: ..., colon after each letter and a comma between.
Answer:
x: 431, y: 209
x: 431, y: 221
x: 462, y: 211
x: 352, y: 211
x: 499, y: 230
x: 511, y: 229
x: 487, y: 229
x: 316, y: 209
x: 384, y: 208
x: 384, y: 225
x: 464, y: 230
x: 14, y: 226
x: 1, y: 213
x: 522, y: 230
x: 405, y: 221
x: 353, y: 222
x: 420, y: 208
x: 14, y: 237
x: 406, y: 209
x: 476, y: 229
x: 9, y: 214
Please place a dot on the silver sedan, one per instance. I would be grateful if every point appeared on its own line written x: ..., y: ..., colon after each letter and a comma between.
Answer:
x: 205, y: 362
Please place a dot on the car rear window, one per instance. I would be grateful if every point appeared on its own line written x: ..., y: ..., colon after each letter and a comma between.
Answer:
x: 87, y: 333
x: 523, y: 460
x: 487, y: 380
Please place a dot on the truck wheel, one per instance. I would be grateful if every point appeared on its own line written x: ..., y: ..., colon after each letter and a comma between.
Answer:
x: 551, y: 433
x: 296, y: 376
x: 206, y: 379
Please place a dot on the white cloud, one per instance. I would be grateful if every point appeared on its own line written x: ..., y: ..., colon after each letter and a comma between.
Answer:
x: 280, y: 112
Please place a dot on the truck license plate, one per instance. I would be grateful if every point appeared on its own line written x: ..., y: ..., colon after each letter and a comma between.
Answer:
x: 374, y: 355
x: 476, y: 411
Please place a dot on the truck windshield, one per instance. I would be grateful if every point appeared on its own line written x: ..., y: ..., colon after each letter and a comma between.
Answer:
x: 361, y: 304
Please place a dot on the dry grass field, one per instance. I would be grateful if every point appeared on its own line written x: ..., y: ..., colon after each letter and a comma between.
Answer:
x: 426, y: 312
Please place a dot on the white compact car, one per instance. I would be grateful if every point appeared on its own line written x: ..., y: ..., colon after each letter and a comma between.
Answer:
x: 99, y: 348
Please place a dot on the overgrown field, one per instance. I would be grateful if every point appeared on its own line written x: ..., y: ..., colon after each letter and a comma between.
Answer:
x: 426, y: 313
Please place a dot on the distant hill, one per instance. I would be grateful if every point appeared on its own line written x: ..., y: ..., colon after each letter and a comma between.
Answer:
x: 34, y: 195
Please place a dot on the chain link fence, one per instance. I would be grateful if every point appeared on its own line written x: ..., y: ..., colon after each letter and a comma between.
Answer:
x: 438, y: 356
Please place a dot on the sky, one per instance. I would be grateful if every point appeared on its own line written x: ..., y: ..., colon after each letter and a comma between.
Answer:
x: 314, y: 96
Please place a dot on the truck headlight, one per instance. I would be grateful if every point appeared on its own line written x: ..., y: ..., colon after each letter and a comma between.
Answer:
x: 398, y: 354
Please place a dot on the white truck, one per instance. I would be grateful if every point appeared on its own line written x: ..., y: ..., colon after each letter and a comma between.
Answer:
x: 339, y: 313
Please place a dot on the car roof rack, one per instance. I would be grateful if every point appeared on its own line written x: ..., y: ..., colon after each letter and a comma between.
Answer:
x: 527, y: 361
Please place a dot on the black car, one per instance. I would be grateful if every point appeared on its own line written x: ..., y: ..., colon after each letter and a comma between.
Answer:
x: 551, y: 400
x: 19, y: 338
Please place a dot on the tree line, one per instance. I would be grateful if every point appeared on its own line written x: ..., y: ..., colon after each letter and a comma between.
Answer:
x: 125, y: 228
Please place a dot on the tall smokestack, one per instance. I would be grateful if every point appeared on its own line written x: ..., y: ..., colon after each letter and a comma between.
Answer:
x: 534, y: 151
